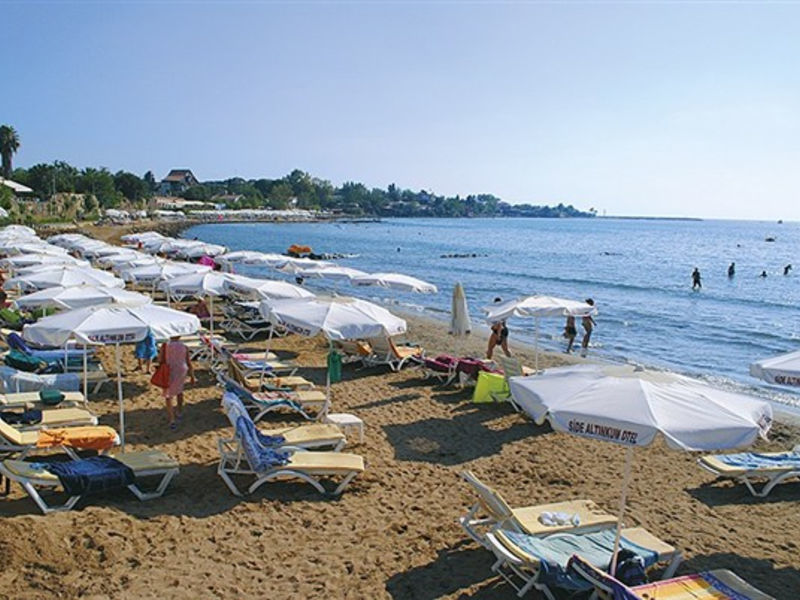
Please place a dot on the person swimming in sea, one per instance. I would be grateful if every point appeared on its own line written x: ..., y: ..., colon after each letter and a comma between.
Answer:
x: 731, y: 270
x: 786, y: 269
x: 763, y: 274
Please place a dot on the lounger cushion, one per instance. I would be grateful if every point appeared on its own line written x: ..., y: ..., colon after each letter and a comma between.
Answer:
x: 327, y: 462
x: 589, y: 513
x: 306, y: 433
x: 138, y: 462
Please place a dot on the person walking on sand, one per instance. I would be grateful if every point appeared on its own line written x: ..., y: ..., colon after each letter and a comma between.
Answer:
x: 696, y: 283
x: 570, y: 331
x: 146, y: 351
x: 176, y: 355
x: 498, y: 337
x: 588, y: 325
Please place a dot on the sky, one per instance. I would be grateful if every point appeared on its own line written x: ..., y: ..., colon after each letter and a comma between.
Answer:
x: 646, y: 108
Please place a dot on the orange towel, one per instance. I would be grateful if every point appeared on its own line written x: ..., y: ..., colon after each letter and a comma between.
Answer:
x: 98, y: 437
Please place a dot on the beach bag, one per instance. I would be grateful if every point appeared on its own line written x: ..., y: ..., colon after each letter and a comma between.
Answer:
x: 50, y: 397
x: 334, y: 366
x: 161, y: 377
x: 630, y: 568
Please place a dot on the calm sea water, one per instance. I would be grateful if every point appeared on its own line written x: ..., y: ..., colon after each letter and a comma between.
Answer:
x: 637, y: 271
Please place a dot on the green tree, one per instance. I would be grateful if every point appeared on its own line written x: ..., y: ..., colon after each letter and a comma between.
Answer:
x: 196, y: 192
x: 150, y: 181
x: 100, y: 184
x: 9, y: 144
x: 6, y: 197
x: 280, y: 195
x: 130, y: 186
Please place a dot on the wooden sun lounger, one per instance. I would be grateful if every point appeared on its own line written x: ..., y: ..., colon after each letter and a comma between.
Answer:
x: 148, y: 463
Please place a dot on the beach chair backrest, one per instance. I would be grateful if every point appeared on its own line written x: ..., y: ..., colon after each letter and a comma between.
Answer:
x: 236, y: 373
x: 10, y: 433
x: 491, y: 500
x: 233, y: 407
x: 511, y: 366
x: 381, y: 345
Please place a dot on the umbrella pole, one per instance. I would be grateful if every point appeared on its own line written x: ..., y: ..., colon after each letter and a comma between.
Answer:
x: 266, y: 354
x: 536, y: 345
x: 211, y: 325
x: 119, y: 396
x: 85, y: 375
x: 625, y: 482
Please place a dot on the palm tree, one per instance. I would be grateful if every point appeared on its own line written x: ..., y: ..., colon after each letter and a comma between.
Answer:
x: 9, y: 144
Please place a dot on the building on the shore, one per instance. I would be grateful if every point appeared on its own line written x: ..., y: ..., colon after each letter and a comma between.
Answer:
x: 176, y: 182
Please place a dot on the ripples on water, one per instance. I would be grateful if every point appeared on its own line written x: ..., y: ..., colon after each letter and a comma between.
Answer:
x: 637, y: 271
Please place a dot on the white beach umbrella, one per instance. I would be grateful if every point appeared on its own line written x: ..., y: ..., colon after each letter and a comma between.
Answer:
x: 241, y: 256
x: 144, y: 260
x: 80, y: 296
x: 21, y: 261
x: 66, y: 276
x: 396, y: 281
x: 632, y: 407
x: 62, y: 239
x: 289, y: 264
x: 197, y: 250
x: 252, y: 287
x: 338, y: 318
x: 111, y: 325
x: 538, y: 307
x: 121, y: 256
x: 141, y: 237
x: 19, y: 230
x: 783, y: 369
x: 156, y: 272
x: 460, y: 323
x: 14, y: 248
x: 331, y: 272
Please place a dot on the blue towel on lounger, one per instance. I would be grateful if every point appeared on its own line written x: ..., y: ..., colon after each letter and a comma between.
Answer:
x: 28, y: 417
x: 91, y: 475
x: 261, y: 458
x: 554, y: 552
x: 754, y: 461
x: 242, y: 394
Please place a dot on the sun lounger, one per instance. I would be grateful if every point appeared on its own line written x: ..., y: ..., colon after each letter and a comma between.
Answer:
x: 33, y: 400
x: 441, y: 367
x: 311, y: 404
x: 253, y: 365
x: 352, y: 350
x: 308, y: 437
x: 532, y: 520
x: 22, y: 443
x: 711, y: 585
x: 511, y: 368
x: 150, y: 463
x: 267, y: 381
x: 245, y: 455
x: 386, y: 352
x: 52, y: 417
x: 749, y: 467
x: 540, y: 562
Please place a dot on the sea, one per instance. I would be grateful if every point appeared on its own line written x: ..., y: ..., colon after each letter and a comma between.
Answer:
x: 638, y: 271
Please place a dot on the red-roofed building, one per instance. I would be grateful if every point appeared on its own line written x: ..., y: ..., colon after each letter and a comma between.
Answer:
x: 177, y: 181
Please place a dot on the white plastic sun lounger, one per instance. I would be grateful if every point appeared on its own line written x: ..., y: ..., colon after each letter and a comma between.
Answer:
x: 749, y: 467
x: 32, y: 400
x: 148, y: 463
x: 528, y: 519
x: 57, y: 417
x: 524, y: 571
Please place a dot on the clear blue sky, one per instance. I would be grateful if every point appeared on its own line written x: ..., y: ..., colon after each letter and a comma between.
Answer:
x: 674, y: 109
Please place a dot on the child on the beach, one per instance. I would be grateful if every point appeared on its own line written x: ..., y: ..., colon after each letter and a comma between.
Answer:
x: 570, y: 331
x: 588, y: 324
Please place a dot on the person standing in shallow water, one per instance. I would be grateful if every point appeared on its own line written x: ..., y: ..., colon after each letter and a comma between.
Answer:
x: 570, y: 331
x: 696, y: 283
x: 588, y: 324
x: 731, y: 270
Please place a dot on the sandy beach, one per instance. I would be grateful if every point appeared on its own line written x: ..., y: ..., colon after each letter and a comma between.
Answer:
x: 393, y: 533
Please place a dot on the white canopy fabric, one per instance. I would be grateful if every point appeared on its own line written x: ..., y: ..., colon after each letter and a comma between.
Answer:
x: 110, y: 325
x: 34, y: 248
x: 396, y: 281
x: 79, y: 297
x: 67, y: 276
x: 133, y: 263
x: 631, y: 406
x: 538, y: 306
x: 289, y: 264
x: 20, y: 230
x: 460, y: 323
x: 122, y: 256
x: 199, y: 249
x: 247, y: 256
x: 155, y: 272
x: 205, y: 283
x: 17, y: 187
x: 783, y: 369
x: 29, y: 260
x: 339, y: 318
x: 140, y: 237
x: 264, y: 288
x: 332, y: 272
